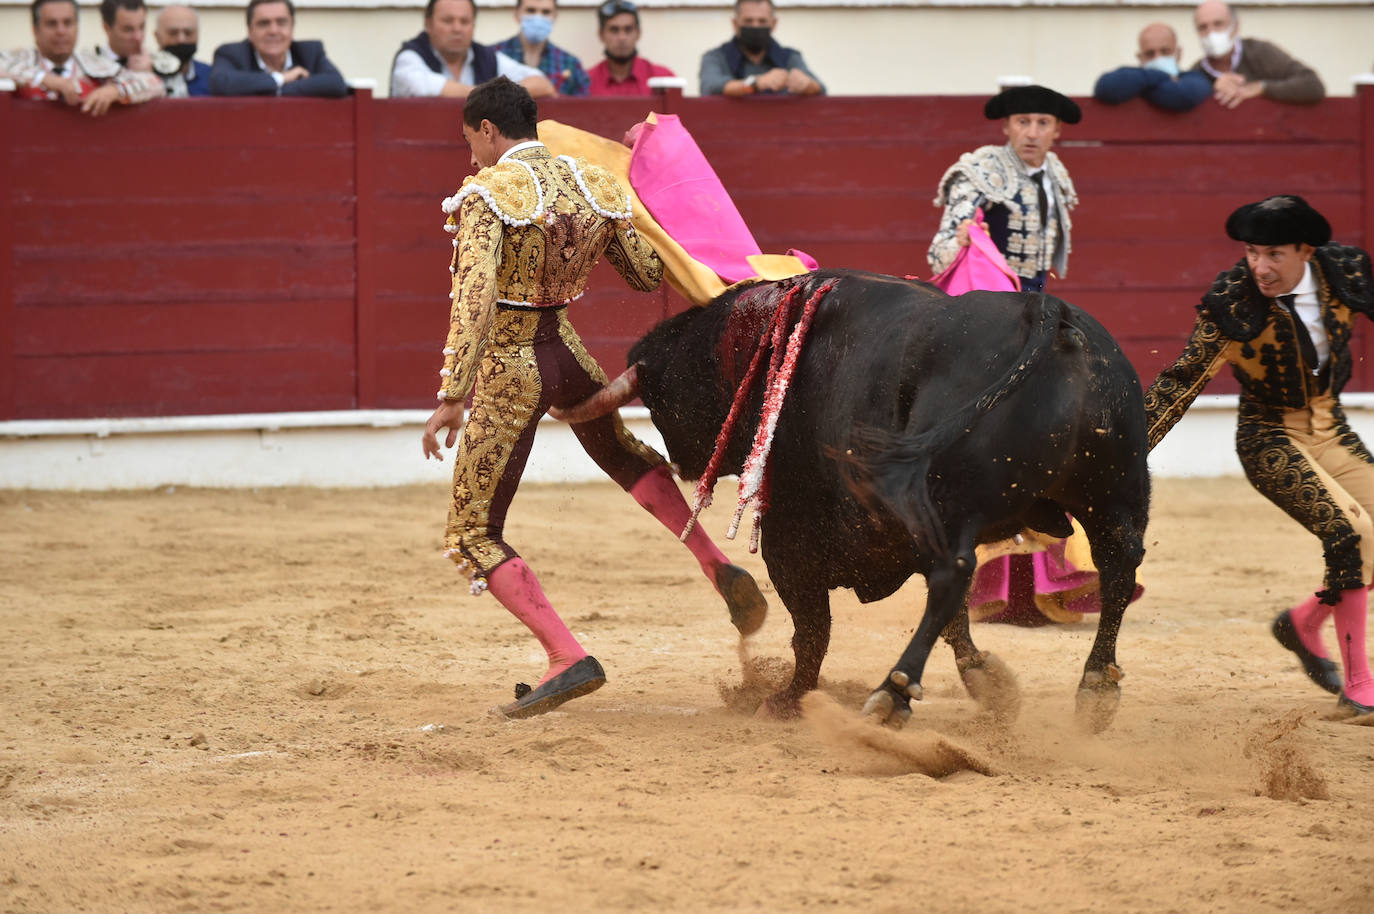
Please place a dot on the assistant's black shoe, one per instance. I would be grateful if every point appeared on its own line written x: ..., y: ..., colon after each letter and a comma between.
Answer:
x: 582, y: 678
x: 1347, y: 702
x: 1320, y: 670
x: 747, y: 606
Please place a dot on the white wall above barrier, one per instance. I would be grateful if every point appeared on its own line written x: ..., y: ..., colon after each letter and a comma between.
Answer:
x: 382, y: 448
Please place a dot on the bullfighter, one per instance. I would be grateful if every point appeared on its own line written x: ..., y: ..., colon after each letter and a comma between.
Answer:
x: 1022, y: 187
x: 529, y: 228
x: 1282, y: 317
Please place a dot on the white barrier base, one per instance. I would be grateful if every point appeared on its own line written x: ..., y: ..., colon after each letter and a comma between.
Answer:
x: 382, y: 448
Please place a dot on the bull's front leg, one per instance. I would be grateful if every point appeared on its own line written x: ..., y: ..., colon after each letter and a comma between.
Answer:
x: 946, y: 589
x: 809, y: 605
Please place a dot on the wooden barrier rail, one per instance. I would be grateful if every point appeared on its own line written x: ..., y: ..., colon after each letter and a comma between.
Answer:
x: 261, y: 255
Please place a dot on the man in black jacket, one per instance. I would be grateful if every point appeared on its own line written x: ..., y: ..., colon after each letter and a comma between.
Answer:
x: 268, y: 62
x: 1282, y: 318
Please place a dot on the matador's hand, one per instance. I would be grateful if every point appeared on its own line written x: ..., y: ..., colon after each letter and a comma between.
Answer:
x: 449, y: 415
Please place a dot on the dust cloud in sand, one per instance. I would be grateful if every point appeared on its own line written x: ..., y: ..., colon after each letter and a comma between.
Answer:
x: 280, y: 700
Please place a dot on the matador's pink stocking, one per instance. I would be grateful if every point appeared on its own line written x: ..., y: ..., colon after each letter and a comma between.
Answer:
x: 517, y: 589
x: 1351, y: 615
x: 658, y: 494
x: 1308, y: 618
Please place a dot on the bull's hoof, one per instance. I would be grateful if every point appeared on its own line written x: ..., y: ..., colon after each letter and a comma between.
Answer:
x: 992, y: 684
x: 743, y: 598
x: 890, y: 703
x: 782, y: 706
x: 1098, y: 698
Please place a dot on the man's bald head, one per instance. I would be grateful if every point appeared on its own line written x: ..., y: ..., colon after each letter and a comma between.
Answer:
x: 177, y: 25
x: 1156, y: 40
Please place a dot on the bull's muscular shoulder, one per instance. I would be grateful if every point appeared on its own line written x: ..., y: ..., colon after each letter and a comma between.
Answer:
x: 600, y: 187
x: 1346, y: 270
x: 509, y: 188
x: 992, y: 170
x: 1235, y: 305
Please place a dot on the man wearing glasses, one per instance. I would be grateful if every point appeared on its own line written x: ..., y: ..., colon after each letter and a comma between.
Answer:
x: 623, y: 72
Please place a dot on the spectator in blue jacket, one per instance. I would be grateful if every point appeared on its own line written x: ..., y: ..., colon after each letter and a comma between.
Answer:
x: 1158, y: 78
x: 269, y: 62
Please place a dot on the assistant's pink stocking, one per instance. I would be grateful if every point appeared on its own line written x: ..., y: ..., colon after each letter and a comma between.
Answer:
x: 1351, y: 614
x: 658, y: 494
x: 1308, y: 617
x: 517, y: 589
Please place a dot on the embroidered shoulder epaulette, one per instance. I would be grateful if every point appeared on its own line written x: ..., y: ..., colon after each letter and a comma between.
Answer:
x: 510, y: 188
x: 97, y: 66
x: 1235, y: 305
x: 1346, y: 270
x: 995, y: 173
x: 989, y: 171
x: 600, y: 187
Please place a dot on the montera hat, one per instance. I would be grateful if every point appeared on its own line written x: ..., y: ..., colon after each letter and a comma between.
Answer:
x: 1282, y: 219
x: 1032, y: 100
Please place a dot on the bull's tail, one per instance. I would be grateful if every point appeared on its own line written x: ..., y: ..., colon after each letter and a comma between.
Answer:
x: 891, y: 469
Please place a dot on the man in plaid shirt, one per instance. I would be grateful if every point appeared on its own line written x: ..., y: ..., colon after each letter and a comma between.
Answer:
x: 532, y: 47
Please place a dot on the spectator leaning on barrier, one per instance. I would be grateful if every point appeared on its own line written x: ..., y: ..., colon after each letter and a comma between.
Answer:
x: 444, y: 60
x: 269, y: 62
x: 752, y: 62
x: 1157, y: 78
x: 1245, y: 68
x: 531, y: 46
x: 1022, y: 188
x: 177, y: 34
x: 125, y: 23
x: 54, y: 69
x: 623, y: 72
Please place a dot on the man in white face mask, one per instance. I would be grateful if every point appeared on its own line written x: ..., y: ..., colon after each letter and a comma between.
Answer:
x: 1245, y: 68
x: 531, y: 46
x: 1157, y: 78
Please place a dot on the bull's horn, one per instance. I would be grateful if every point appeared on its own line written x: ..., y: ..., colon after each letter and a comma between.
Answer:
x: 609, y: 398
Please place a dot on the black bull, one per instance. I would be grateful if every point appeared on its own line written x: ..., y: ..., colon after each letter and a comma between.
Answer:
x: 917, y: 426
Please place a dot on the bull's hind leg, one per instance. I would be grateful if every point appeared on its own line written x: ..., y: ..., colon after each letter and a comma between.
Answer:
x: 1117, y: 548
x: 809, y: 605
x: 946, y: 589
x: 989, y: 681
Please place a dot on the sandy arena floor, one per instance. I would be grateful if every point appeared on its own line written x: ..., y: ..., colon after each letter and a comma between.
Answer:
x: 279, y: 701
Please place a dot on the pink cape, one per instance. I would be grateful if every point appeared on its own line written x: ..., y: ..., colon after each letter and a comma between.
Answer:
x: 1021, y: 589
x: 978, y: 266
x: 680, y: 190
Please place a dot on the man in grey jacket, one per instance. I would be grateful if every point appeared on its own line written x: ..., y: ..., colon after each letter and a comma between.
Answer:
x: 1246, y: 68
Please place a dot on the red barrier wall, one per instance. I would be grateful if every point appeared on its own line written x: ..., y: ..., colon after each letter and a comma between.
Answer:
x: 258, y: 255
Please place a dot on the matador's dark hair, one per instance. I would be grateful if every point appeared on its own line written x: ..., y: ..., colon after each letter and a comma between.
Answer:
x: 507, y: 105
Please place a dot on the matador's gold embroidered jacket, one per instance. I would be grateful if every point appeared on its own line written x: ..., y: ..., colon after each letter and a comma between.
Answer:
x: 529, y: 231
x: 1258, y: 337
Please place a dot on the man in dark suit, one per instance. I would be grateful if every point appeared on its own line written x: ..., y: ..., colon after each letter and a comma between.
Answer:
x: 268, y: 62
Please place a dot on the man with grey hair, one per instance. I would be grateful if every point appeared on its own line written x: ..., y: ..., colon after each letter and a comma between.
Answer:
x: 177, y: 34
x: 1246, y: 68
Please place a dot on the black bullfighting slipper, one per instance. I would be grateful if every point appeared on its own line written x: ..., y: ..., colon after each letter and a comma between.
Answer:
x: 582, y: 678
x: 1345, y: 702
x: 1320, y: 670
x: 747, y: 606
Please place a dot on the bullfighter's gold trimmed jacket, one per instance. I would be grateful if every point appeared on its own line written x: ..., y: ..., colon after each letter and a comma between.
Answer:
x: 529, y: 230
x: 1257, y: 336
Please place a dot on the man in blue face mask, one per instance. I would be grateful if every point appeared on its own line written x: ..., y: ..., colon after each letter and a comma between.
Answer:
x: 1157, y: 78
x: 531, y: 45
